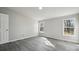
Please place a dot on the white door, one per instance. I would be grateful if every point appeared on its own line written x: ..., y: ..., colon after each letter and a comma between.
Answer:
x: 4, y: 20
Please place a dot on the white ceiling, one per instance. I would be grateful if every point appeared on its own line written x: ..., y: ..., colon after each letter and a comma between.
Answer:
x: 46, y: 12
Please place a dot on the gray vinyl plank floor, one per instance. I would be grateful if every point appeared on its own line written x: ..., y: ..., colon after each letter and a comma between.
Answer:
x: 39, y: 44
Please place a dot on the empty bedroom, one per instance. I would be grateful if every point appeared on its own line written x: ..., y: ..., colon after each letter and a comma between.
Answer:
x: 39, y: 28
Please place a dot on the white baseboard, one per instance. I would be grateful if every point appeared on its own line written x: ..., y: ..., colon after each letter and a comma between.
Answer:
x: 17, y: 39
x: 62, y: 39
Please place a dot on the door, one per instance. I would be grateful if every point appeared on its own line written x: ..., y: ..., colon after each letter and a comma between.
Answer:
x: 4, y: 20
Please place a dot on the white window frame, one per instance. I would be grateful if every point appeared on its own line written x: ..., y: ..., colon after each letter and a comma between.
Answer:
x: 43, y: 26
x: 74, y: 26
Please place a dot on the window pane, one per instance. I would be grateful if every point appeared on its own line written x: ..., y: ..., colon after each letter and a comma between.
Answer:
x: 69, y: 31
x: 68, y: 23
x: 41, y: 28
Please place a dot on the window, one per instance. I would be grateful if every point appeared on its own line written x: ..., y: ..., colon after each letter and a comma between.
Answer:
x: 41, y: 27
x: 69, y: 26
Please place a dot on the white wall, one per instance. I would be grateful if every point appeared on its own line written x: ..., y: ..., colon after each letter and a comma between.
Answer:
x: 54, y: 28
x: 20, y: 26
